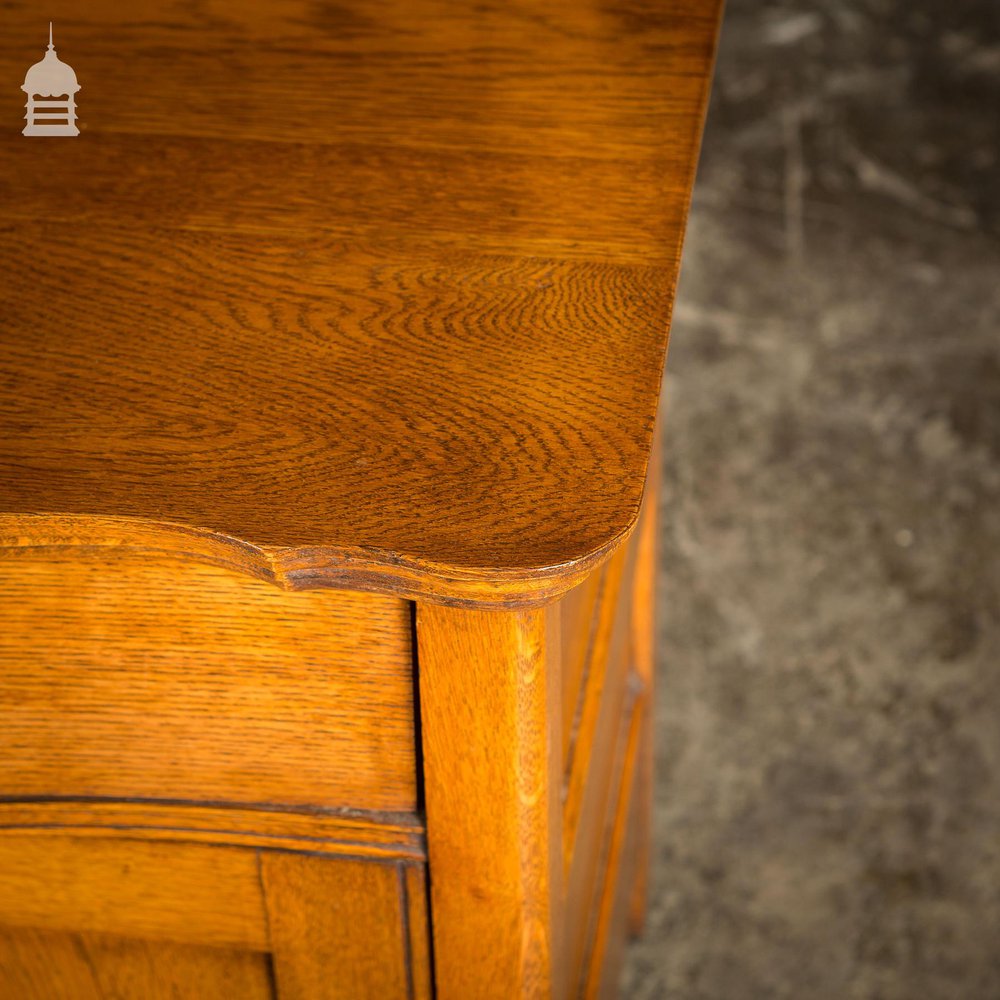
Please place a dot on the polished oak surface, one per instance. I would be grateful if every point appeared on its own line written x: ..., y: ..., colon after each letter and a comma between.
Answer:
x: 121, y: 673
x: 371, y: 296
x: 330, y: 354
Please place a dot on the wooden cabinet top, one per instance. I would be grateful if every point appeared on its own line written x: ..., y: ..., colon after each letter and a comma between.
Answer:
x: 370, y: 294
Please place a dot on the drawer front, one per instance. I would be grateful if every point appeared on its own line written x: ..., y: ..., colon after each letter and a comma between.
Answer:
x: 133, y: 677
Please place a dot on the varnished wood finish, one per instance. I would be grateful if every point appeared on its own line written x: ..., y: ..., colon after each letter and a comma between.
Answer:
x: 578, y: 623
x: 600, y: 700
x: 489, y: 685
x: 192, y: 893
x: 54, y: 965
x: 620, y: 869
x: 369, y: 298
x: 338, y: 928
x: 376, y: 836
x: 128, y: 677
x: 418, y: 931
x: 643, y: 659
x: 597, y: 769
x: 390, y: 315
x: 489, y: 690
x: 114, y: 917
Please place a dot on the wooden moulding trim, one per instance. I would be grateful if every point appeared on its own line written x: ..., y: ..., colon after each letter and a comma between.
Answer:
x: 372, y: 837
x: 349, y: 568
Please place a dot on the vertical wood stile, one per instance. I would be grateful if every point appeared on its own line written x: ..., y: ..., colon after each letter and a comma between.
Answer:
x: 334, y: 927
x: 489, y: 696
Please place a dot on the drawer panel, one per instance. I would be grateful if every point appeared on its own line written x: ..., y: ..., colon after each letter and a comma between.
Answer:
x: 126, y: 918
x: 194, y: 894
x: 56, y: 965
x: 135, y: 677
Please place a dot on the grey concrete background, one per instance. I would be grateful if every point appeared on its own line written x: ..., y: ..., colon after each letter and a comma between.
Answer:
x: 828, y: 803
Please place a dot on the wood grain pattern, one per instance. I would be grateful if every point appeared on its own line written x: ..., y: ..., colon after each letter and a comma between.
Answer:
x: 597, y: 771
x: 489, y: 694
x: 602, y: 695
x: 578, y: 624
x: 129, y: 677
x: 367, y: 296
x: 393, y: 318
x: 610, y: 917
x: 338, y: 928
x: 211, y: 897
x: 116, y: 918
x: 418, y: 931
x: 52, y: 965
x: 39, y: 965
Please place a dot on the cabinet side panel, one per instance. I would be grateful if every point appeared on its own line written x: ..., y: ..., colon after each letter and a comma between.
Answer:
x: 644, y: 645
x: 610, y: 755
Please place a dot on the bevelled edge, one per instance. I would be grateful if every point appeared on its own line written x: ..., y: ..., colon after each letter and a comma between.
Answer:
x: 370, y: 570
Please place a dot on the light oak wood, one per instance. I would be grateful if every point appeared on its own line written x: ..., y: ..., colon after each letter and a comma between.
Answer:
x: 619, y: 872
x: 392, y: 318
x: 38, y: 965
x: 598, y: 765
x: 643, y: 659
x: 489, y: 694
x: 578, y: 624
x: 52, y: 965
x: 190, y: 893
x: 133, y: 677
x: 112, y: 915
x: 329, y: 309
x: 339, y: 929
x: 601, y: 697
x: 418, y: 930
x: 327, y: 833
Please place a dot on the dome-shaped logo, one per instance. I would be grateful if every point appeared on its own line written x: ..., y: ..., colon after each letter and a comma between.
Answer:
x: 51, y: 78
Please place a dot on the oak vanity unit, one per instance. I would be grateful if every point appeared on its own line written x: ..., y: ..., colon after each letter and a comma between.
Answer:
x: 330, y: 356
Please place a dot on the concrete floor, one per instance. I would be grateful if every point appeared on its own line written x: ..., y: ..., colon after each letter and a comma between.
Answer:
x: 828, y: 811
